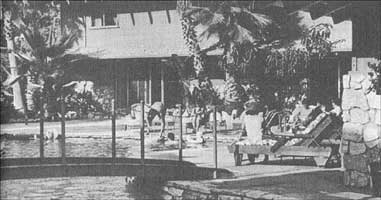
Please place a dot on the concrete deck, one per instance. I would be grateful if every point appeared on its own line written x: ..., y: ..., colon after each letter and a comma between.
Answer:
x: 287, y: 179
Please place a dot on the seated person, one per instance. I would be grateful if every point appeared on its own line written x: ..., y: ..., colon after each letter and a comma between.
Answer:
x: 319, y: 108
x: 336, y: 112
x: 299, y: 117
x: 336, y: 109
x: 252, y: 119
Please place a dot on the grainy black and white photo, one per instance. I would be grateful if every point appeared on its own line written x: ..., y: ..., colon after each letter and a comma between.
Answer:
x: 190, y: 99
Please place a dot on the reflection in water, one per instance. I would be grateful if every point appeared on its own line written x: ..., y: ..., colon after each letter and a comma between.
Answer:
x: 70, y: 188
x: 75, y: 147
x: 78, y: 187
x: 85, y: 147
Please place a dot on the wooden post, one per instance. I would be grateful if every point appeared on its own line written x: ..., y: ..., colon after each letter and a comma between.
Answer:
x: 215, y: 140
x: 339, y: 79
x: 128, y: 89
x: 113, y: 118
x: 181, y: 133
x: 150, y: 85
x: 162, y: 84
x: 142, y: 133
x: 63, y: 135
x: 146, y: 87
x: 42, y: 112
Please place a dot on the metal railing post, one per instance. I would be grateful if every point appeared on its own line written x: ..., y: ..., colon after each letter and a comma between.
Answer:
x: 181, y: 133
x: 113, y: 117
x: 42, y: 127
x: 113, y: 131
x: 215, y: 140
x: 142, y: 133
x: 63, y: 134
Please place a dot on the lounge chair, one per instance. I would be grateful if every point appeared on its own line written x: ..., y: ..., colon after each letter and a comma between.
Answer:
x: 310, y: 144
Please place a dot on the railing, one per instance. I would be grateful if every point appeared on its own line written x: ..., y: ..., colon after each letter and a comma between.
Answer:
x: 18, y: 167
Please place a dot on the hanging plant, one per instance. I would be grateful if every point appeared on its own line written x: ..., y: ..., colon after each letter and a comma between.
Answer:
x: 190, y: 37
x: 375, y: 77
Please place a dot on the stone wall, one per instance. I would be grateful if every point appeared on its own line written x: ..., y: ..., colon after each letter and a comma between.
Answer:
x: 179, y: 191
x: 361, y: 117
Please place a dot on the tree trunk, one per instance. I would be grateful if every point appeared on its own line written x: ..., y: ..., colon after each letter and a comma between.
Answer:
x: 17, y: 93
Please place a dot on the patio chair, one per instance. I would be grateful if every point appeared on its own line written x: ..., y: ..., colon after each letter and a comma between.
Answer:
x: 309, y: 144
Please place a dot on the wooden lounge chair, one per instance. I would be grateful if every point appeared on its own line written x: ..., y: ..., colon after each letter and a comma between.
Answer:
x: 310, y: 145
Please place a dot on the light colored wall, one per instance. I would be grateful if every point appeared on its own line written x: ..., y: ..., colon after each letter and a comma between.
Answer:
x: 159, y: 39
x: 340, y: 31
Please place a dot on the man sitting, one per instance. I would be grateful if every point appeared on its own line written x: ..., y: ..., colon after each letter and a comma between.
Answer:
x: 300, y: 116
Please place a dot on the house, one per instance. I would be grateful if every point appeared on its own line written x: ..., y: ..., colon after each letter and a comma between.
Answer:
x: 134, y: 39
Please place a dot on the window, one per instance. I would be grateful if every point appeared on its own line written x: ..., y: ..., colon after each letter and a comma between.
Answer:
x: 104, y: 20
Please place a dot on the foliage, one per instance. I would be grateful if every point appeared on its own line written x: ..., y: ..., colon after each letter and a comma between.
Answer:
x: 42, y: 40
x: 244, y: 35
x: 293, y: 60
x: 239, y: 31
x: 375, y: 76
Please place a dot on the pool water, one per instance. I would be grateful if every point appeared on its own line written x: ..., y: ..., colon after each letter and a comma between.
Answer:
x: 71, y: 188
x: 76, y: 187
x: 83, y: 147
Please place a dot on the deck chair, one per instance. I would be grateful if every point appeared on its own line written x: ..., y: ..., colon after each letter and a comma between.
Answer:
x: 308, y: 146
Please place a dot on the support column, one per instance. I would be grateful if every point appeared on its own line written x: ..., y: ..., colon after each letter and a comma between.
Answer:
x: 215, y: 141
x: 181, y: 133
x: 63, y: 135
x: 142, y: 133
x: 150, y: 85
x: 42, y: 112
x: 146, y: 87
x: 162, y: 82
x: 128, y: 89
x: 113, y: 119
x: 339, y: 78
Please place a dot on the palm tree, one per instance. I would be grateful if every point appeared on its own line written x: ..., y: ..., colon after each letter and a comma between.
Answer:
x: 239, y: 32
x: 236, y: 28
x: 243, y: 34
x: 13, y: 74
x: 42, y: 41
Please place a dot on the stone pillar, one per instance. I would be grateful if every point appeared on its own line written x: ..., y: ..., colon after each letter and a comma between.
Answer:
x: 361, y: 116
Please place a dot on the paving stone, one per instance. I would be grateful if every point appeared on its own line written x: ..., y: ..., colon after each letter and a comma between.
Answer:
x: 354, y: 98
x: 346, y: 116
x: 347, y: 177
x: 371, y: 134
x: 194, y: 195
x: 374, y: 154
x: 345, y: 146
x: 366, y: 83
x: 374, y: 100
x: 377, y: 117
x: 175, y: 191
x: 166, y: 197
x: 359, y: 116
x: 356, y: 148
x: 228, y: 197
x: 257, y: 194
x: 372, y: 114
x: 346, y: 81
x: 356, y: 162
x: 358, y: 179
x: 357, y: 77
x: 352, y: 132
x: 356, y: 86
